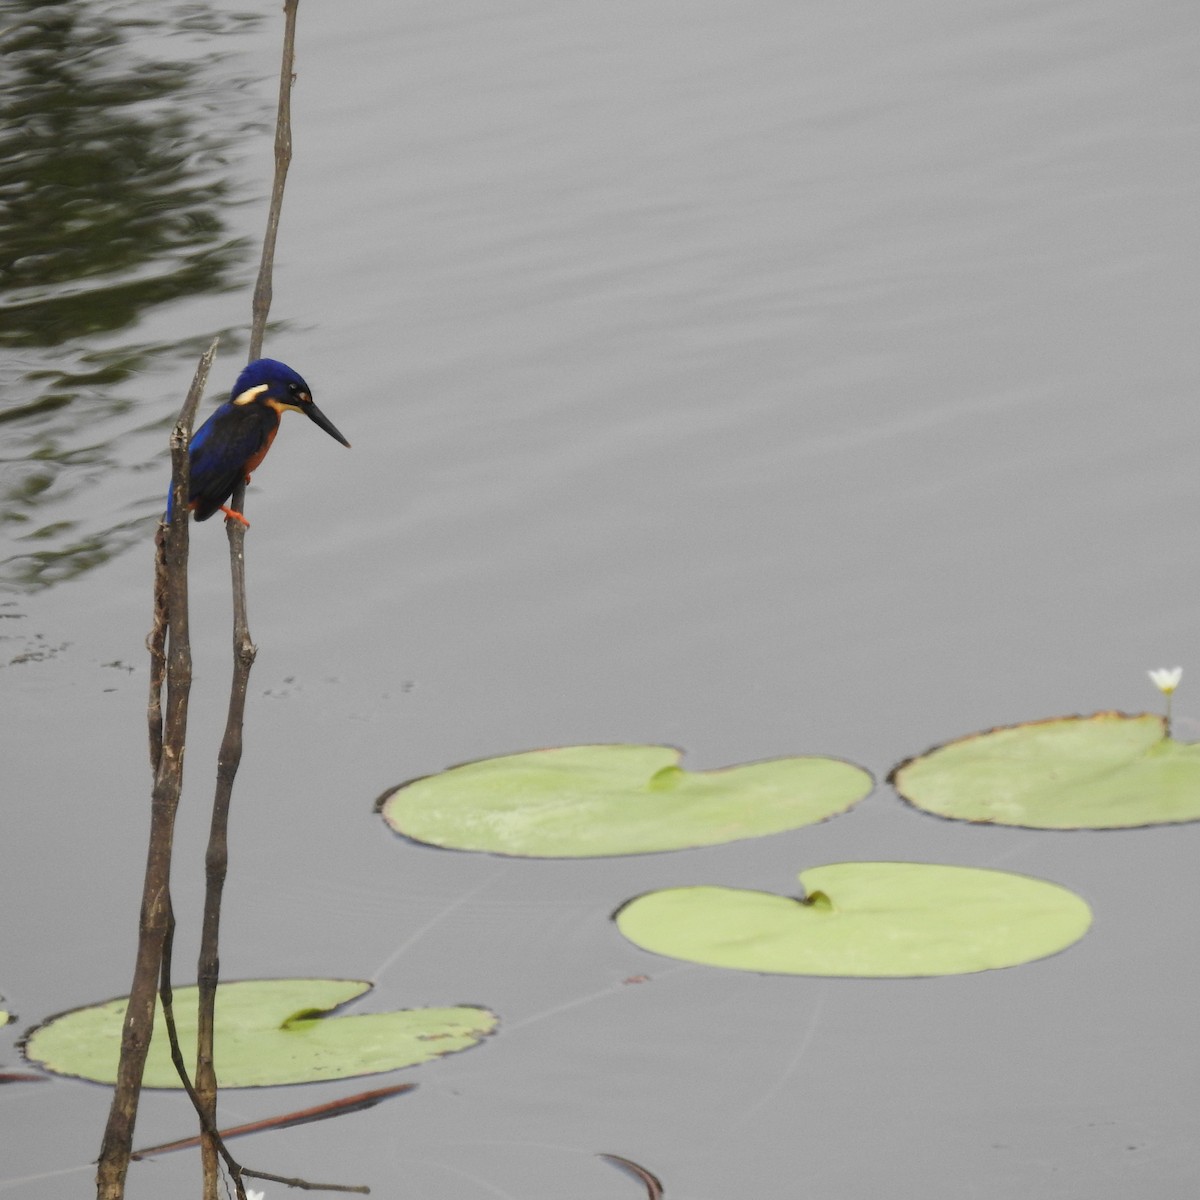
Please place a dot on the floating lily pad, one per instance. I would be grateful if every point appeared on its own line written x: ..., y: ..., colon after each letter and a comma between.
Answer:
x: 268, y: 1032
x: 585, y: 801
x: 1106, y: 771
x: 864, y: 919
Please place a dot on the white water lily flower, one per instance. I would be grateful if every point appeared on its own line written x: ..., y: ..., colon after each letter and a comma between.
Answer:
x: 1166, y: 679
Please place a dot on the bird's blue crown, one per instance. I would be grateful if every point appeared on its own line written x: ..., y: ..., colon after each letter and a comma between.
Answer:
x: 268, y: 371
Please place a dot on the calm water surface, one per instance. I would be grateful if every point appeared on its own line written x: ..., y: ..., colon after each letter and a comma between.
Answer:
x: 759, y: 379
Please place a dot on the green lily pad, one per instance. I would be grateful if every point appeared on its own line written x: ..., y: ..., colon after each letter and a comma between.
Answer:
x: 268, y: 1032
x: 589, y: 801
x: 874, y: 919
x: 1106, y: 771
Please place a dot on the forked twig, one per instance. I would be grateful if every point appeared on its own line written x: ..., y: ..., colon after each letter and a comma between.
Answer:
x: 171, y: 659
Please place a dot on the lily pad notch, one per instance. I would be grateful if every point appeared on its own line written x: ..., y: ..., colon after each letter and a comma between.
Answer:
x: 864, y: 919
x: 603, y: 800
x: 269, y: 1032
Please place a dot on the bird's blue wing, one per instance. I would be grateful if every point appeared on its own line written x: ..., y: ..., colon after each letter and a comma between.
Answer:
x: 219, y: 452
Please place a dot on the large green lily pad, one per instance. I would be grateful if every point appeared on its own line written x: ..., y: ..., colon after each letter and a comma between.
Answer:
x: 268, y: 1032
x: 875, y: 919
x: 586, y: 801
x: 1105, y: 771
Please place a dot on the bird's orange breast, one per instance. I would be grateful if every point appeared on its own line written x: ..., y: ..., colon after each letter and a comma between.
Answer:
x: 257, y: 457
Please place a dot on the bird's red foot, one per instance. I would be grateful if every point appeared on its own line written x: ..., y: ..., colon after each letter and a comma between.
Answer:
x: 233, y: 515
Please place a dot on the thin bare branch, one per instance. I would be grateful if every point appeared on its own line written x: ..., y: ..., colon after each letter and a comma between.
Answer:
x: 261, y: 306
x: 216, y: 862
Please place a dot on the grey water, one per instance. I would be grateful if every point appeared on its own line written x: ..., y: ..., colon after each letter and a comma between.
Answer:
x: 760, y: 379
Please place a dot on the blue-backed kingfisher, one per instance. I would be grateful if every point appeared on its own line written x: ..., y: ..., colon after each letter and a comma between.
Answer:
x: 237, y: 436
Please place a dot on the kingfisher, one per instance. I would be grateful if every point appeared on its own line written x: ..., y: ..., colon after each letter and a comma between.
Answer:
x: 237, y: 436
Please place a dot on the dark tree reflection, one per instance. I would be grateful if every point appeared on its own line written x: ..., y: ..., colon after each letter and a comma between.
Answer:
x: 114, y: 195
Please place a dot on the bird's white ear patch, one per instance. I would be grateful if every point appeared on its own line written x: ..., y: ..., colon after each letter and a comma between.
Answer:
x: 250, y: 394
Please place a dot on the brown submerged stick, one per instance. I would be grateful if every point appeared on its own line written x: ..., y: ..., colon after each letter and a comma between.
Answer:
x: 359, y: 1102
x: 306, y: 1185
x: 171, y: 658
x: 654, y: 1187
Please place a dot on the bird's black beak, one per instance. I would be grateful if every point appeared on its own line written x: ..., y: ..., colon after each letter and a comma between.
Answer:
x: 317, y: 417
